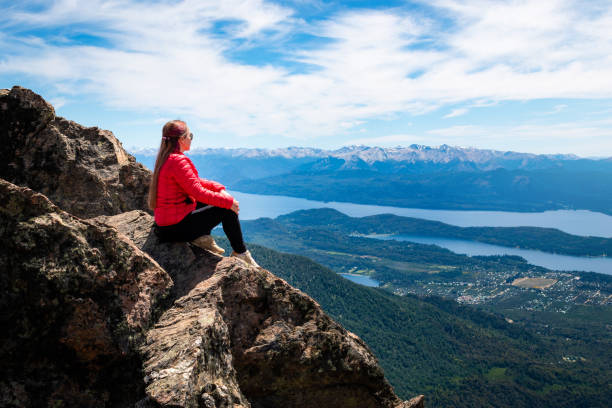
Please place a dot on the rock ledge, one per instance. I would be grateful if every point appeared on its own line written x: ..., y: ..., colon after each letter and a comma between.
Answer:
x: 97, y: 312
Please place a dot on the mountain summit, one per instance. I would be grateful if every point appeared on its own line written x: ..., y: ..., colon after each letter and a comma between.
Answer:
x: 97, y: 312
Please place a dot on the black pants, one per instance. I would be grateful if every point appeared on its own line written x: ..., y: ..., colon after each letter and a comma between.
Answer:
x: 200, y: 222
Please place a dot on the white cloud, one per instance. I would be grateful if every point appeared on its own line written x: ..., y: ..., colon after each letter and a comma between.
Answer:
x: 58, y: 102
x: 456, y: 112
x: 349, y: 125
x: 556, y: 109
x: 586, y: 139
x: 569, y: 131
x: 386, y: 141
x: 459, y: 131
x: 483, y: 103
x: 162, y: 57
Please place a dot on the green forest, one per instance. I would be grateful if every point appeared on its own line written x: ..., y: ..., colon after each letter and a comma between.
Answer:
x: 498, y: 353
x: 457, y: 355
x: 543, y: 239
x: 393, y: 262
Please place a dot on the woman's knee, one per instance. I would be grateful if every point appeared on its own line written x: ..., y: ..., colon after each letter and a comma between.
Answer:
x: 229, y: 214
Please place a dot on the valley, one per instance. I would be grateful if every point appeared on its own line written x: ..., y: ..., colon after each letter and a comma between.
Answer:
x: 466, y: 330
x: 464, y: 355
x: 328, y: 237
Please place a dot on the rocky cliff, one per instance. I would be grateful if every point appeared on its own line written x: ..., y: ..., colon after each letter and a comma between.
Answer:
x: 95, y: 311
x: 85, y: 171
x: 77, y: 300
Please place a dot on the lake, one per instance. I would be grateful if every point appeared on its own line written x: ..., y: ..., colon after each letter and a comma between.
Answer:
x: 547, y: 260
x: 579, y: 222
x: 360, y: 279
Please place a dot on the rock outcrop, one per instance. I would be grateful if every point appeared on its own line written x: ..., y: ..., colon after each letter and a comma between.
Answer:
x: 98, y: 312
x: 77, y: 298
x: 85, y: 171
x: 243, y: 334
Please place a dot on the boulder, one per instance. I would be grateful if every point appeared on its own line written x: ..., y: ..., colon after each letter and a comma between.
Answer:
x: 85, y: 171
x: 77, y: 299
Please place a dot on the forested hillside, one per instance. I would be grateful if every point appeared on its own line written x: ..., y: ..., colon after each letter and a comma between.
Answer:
x: 458, y: 356
x: 543, y: 239
x: 501, y: 189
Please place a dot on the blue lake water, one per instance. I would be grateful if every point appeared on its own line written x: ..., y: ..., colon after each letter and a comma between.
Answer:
x: 362, y: 280
x: 547, y: 260
x: 580, y: 222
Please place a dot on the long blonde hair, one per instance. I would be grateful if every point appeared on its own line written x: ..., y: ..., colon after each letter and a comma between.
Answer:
x: 171, y: 133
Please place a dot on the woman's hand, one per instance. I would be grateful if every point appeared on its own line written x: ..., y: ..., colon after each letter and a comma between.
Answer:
x: 225, y: 193
x: 235, y: 206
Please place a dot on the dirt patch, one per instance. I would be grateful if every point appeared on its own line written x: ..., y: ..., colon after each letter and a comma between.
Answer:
x: 534, y: 283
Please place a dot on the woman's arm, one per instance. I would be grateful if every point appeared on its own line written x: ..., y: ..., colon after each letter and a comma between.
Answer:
x: 192, y: 185
x: 212, y: 185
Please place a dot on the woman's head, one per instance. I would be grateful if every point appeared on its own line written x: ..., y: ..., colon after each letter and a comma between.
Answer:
x: 176, y: 132
x: 175, y: 138
x: 174, y: 129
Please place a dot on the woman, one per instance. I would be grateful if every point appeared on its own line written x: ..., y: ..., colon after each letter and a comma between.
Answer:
x: 187, y: 207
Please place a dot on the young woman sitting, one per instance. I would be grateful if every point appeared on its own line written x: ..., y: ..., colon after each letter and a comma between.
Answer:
x: 186, y: 206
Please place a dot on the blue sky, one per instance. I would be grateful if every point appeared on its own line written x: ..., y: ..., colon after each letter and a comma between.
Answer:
x: 530, y: 76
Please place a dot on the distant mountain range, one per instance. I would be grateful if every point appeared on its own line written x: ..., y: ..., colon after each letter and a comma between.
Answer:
x: 481, y: 159
x: 414, y: 159
x: 414, y: 176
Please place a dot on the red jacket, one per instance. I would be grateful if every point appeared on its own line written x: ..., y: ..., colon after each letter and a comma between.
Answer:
x: 179, y: 187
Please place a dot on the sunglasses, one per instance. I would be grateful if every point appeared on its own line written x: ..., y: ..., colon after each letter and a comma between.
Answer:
x: 190, y: 136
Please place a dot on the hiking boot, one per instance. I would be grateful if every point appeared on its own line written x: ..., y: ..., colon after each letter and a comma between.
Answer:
x: 208, y: 243
x: 246, y: 257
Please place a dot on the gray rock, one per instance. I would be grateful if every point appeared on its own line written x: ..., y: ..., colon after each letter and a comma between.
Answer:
x: 97, y: 312
x: 80, y: 298
x: 240, y: 336
x: 77, y: 300
x: 85, y: 171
